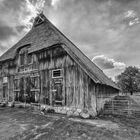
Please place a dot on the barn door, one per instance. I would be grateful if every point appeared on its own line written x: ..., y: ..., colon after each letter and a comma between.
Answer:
x: 29, y: 95
x: 57, y: 92
x: 26, y: 89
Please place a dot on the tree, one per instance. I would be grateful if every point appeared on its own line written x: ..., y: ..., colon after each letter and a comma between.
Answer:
x: 129, y: 80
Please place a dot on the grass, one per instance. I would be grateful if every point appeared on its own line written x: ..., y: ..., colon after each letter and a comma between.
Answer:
x: 26, y: 124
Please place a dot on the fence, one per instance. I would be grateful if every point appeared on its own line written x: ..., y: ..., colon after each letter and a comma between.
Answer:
x: 122, y: 105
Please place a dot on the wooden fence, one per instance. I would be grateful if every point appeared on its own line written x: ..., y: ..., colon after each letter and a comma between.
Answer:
x: 122, y: 106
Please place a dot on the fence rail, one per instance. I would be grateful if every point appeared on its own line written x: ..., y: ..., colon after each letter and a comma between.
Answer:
x: 122, y: 106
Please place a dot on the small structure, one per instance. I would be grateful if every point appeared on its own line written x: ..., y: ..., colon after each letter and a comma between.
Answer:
x: 47, y: 68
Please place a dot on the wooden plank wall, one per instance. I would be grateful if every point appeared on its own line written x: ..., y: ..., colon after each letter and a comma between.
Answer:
x: 7, y: 71
x: 45, y: 85
x: 79, y: 89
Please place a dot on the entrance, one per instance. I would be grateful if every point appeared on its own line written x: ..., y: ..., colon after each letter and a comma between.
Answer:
x: 26, y: 88
x: 57, y: 92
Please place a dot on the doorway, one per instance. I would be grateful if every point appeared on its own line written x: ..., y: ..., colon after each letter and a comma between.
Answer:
x: 23, y: 88
x: 57, y: 92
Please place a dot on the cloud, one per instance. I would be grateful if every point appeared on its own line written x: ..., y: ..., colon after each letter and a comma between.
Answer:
x: 103, y: 62
x: 89, y: 24
x: 2, y: 48
x: 113, y: 73
x: 120, y: 1
x: 100, y: 27
x: 110, y: 67
x: 6, y: 32
x: 131, y: 17
x: 109, y: 27
x: 54, y: 3
x: 29, y: 11
x: 16, y: 20
x: 107, y: 63
x: 20, y: 12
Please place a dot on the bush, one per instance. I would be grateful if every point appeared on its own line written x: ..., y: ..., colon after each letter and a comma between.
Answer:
x: 3, y: 105
x: 50, y: 110
x: 21, y: 106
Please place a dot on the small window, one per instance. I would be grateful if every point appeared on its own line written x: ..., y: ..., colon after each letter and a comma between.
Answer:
x: 29, y: 60
x: 57, y: 73
x: 22, y: 58
x: 38, y: 20
x: 5, y: 79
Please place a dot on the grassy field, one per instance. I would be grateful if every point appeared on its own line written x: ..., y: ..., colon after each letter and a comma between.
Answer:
x: 26, y: 124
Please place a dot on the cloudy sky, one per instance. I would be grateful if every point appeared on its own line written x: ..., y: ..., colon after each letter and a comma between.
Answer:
x: 107, y: 31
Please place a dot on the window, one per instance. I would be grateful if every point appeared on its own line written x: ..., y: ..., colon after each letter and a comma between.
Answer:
x: 5, y: 79
x: 39, y: 19
x: 29, y: 60
x: 25, y: 58
x: 57, y: 73
x: 22, y: 58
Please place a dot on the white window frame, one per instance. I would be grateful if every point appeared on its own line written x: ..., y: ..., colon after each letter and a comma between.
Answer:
x: 61, y: 73
x: 5, y: 79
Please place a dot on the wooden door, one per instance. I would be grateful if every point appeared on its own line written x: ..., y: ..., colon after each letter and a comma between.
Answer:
x: 23, y: 90
x: 57, y: 92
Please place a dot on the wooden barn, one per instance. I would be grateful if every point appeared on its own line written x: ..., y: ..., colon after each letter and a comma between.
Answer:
x: 45, y: 67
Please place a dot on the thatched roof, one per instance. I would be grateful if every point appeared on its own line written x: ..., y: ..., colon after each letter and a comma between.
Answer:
x: 46, y: 35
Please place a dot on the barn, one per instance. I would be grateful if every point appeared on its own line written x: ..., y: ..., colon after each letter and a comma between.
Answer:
x: 45, y: 67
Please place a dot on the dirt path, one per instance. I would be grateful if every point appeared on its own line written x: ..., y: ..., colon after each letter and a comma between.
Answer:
x: 21, y: 124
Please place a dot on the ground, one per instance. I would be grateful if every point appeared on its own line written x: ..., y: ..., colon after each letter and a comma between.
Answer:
x: 27, y: 124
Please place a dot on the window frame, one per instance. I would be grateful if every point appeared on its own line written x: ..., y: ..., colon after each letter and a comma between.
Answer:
x: 61, y: 73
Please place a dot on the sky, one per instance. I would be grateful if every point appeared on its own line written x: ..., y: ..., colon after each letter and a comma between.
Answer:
x: 107, y: 31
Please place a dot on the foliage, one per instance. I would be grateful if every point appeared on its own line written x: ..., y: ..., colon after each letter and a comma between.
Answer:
x: 129, y: 80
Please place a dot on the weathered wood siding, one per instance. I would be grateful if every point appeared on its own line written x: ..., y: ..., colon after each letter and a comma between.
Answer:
x: 78, y: 88
x: 7, y: 70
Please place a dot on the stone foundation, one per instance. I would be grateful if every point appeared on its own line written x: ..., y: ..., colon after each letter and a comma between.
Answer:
x: 70, y: 111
